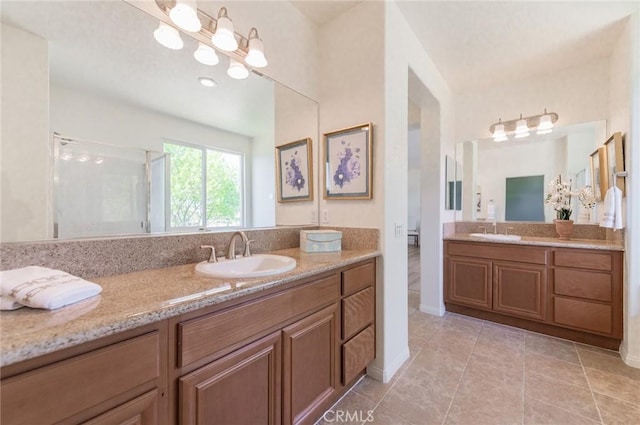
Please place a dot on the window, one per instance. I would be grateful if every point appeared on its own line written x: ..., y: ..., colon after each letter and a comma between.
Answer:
x: 205, y: 187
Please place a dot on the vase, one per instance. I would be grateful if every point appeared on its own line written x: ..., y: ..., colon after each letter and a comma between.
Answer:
x: 564, y: 228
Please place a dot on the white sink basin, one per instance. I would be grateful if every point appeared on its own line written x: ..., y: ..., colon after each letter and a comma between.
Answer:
x: 496, y: 237
x: 258, y: 265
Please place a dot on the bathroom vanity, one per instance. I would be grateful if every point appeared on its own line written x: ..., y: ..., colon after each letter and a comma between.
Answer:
x: 277, y: 350
x: 571, y: 290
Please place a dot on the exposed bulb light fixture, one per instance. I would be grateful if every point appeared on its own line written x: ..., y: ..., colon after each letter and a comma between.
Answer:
x: 168, y: 36
x: 206, y: 55
x: 224, y: 38
x: 237, y: 70
x: 185, y: 15
x: 207, y: 82
x: 255, y: 51
x: 499, y: 134
x: 521, y: 127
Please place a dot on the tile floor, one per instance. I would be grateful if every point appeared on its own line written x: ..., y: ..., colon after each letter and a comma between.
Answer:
x: 468, y: 371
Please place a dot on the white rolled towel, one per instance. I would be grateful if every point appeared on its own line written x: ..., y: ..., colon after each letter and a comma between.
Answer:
x: 7, y: 303
x: 612, y: 216
x: 41, y: 287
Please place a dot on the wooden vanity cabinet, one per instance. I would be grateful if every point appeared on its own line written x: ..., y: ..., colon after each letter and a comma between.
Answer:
x: 280, y: 356
x: 570, y: 293
x: 117, y: 379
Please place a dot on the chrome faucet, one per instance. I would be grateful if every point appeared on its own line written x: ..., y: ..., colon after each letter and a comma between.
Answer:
x: 495, y: 228
x: 231, y: 248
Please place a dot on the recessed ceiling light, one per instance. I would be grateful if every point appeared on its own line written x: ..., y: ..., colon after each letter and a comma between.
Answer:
x: 207, y: 82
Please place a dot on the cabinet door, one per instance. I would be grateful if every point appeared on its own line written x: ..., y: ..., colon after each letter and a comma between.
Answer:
x: 309, y: 365
x: 243, y: 387
x: 520, y: 290
x: 469, y: 282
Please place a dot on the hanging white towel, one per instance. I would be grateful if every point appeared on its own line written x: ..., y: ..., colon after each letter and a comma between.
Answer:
x: 612, y: 217
x: 40, y: 287
x: 7, y: 303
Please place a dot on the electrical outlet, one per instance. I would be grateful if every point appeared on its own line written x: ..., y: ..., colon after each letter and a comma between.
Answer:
x: 314, y: 217
x: 325, y: 216
x: 399, y: 230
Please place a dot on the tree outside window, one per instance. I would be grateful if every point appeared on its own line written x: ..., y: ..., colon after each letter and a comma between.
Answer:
x: 205, y: 187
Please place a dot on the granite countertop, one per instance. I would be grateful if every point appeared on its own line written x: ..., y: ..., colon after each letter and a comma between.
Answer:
x: 139, y: 298
x: 544, y: 241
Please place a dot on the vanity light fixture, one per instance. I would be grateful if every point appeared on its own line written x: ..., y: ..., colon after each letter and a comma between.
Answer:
x: 499, y: 134
x: 224, y: 38
x: 168, y: 36
x: 206, y: 55
x: 545, y: 126
x: 184, y: 14
x: 522, y: 129
x: 237, y: 70
x: 207, y: 82
x: 522, y: 126
x: 255, y: 51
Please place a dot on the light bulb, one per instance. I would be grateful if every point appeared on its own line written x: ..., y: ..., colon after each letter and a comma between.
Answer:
x: 224, y: 38
x: 237, y: 70
x: 168, y: 36
x: 184, y: 15
x: 206, y: 55
x: 255, y: 56
x: 207, y: 82
x: 522, y: 130
x: 499, y: 134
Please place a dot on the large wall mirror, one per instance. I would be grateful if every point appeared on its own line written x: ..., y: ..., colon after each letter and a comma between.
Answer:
x: 514, y: 175
x: 119, y: 102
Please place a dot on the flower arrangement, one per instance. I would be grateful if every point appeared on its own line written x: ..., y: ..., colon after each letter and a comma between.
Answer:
x: 559, y: 197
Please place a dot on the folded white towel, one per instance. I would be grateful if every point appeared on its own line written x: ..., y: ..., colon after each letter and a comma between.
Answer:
x: 7, y: 303
x: 612, y: 217
x: 41, y: 287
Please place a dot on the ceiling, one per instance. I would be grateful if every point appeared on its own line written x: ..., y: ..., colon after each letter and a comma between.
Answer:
x: 477, y: 44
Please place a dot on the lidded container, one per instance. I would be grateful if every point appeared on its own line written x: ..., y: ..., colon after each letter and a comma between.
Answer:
x: 320, y: 240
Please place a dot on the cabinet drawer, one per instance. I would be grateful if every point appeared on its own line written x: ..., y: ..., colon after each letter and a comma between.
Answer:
x: 583, y: 315
x: 582, y: 284
x: 52, y: 393
x: 583, y: 259
x: 521, y: 254
x: 357, y: 312
x: 208, y: 335
x: 358, y: 353
x: 358, y: 278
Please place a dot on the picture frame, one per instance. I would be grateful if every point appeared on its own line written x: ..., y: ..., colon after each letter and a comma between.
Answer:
x: 599, y: 179
x: 294, y: 171
x: 348, y: 163
x: 614, y: 153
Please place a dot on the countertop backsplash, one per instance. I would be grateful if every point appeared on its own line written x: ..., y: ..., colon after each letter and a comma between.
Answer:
x: 545, y: 230
x: 89, y: 258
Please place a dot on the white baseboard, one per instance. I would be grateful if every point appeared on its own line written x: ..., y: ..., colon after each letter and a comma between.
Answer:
x: 439, y: 311
x: 385, y: 375
x: 632, y: 361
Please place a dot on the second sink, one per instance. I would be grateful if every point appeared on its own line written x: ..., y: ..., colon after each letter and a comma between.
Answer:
x: 495, y: 237
x: 258, y: 265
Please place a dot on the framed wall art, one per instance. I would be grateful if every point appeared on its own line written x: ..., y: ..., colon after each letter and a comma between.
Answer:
x: 599, y: 179
x: 348, y: 163
x: 614, y: 149
x: 294, y: 172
